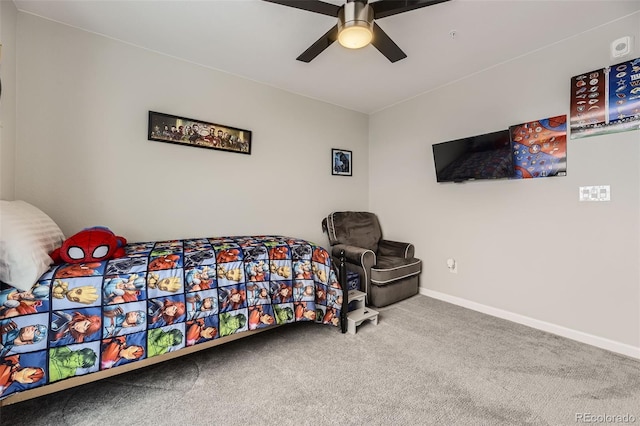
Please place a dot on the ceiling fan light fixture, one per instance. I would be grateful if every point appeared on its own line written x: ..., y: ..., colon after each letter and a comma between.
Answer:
x: 355, y: 25
x: 355, y: 37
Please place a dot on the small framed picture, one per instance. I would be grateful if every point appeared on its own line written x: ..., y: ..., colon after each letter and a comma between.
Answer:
x: 341, y: 162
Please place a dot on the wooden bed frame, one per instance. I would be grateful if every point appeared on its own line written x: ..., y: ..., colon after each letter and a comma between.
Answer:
x: 103, y: 374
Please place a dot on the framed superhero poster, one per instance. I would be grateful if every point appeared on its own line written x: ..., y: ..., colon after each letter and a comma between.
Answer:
x: 202, y: 134
x: 606, y: 100
x: 540, y: 148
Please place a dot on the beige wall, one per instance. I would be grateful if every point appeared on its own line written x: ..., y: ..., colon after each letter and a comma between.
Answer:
x: 527, y: 249
x: 83, y: 154
x: 8, y: 16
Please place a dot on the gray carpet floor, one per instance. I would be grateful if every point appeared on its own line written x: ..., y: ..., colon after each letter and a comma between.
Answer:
x: 427, y: 362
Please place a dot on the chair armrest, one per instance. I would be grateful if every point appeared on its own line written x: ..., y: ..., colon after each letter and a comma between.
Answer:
x: 395, y: 249
x: 362, y: 257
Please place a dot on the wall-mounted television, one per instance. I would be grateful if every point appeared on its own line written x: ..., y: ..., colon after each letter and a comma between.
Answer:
x: 487, y: 156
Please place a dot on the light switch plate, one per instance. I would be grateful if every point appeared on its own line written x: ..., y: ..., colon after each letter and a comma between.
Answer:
x: 595, y: 193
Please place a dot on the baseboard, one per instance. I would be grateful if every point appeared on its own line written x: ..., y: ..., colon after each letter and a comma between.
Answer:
x: 600, y: 342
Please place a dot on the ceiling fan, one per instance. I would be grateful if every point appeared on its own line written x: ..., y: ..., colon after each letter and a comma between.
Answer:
x: 356, y: 27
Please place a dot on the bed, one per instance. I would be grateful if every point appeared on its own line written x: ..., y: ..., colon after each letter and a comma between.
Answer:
x: 83, y: 322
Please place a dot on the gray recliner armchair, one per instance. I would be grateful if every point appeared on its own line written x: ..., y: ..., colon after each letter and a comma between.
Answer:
x: 387, y: 269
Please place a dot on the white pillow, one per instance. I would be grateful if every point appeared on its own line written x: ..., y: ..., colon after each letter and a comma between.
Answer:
x: 27, y: 236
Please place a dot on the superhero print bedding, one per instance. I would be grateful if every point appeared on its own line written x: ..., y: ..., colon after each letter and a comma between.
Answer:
x: 159, y: 299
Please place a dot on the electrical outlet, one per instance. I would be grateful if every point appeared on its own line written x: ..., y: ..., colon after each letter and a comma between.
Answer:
x: 452, y: 265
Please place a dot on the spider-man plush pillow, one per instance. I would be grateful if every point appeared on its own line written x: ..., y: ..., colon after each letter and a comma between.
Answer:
x: 90, y: 245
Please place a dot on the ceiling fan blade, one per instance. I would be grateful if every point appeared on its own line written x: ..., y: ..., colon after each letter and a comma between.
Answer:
x: 321, y: 44
x: 385, y: 45
x: 384, y: 8
x: 310, y: 5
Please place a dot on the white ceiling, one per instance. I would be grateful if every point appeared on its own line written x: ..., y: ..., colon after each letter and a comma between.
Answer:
x: 260, y: 41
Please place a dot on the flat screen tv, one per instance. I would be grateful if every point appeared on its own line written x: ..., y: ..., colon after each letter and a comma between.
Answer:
x: 487, y: 156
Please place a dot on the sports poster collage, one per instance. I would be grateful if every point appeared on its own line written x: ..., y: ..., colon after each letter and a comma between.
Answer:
x: 602, y: 101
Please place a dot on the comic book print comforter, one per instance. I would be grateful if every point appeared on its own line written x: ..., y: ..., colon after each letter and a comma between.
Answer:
x: 161, y: 297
